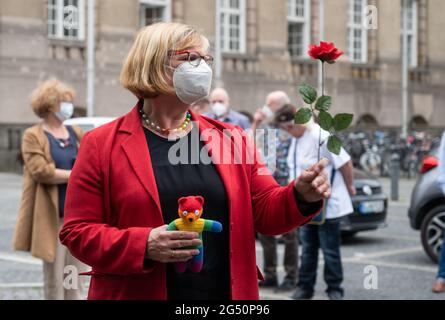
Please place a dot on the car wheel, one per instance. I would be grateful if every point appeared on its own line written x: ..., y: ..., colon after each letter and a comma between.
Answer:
x: 432, y: 232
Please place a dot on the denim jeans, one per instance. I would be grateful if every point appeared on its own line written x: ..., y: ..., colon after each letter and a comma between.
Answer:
x: 328, y: 238
x: 441, y: 273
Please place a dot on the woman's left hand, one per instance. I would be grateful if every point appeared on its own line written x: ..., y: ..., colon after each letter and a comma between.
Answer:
x: 313, y: 185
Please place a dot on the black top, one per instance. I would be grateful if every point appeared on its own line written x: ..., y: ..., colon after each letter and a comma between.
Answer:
x: 64, y: 153
x: 193, y: 177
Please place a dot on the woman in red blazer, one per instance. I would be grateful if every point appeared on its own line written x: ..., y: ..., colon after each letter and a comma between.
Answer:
x: 124, y: 188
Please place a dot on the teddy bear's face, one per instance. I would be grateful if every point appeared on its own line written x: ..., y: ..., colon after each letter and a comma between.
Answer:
x: 190, y: 208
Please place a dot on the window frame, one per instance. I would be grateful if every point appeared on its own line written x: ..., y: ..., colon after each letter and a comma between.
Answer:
x: 166, y: 5
x: 57, y: 21
x: 413, y: 33
x: 305, y: 21
x: 225, y: 27
x: 354, y: 26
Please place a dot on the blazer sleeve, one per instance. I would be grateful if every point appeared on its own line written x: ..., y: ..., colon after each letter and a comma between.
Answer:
x: 276, y: 210
x: 40, y: 169
x: 85, y: 232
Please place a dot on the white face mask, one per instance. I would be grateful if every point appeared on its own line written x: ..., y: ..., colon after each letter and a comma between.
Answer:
x: 267, y: 112
x: 66, y: 111
x: 192, y: 83
x: 219, y: 109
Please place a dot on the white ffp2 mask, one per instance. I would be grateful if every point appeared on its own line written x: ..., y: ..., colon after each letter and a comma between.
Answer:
x: 267, y: 112
x: 219, y: 109
x: 192, y: 83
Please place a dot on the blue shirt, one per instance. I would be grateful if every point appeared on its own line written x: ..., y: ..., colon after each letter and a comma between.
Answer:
x: 64, y: 153
x: 232, y: 117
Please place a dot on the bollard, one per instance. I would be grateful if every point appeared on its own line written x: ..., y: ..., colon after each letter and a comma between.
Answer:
x: 395, y: 175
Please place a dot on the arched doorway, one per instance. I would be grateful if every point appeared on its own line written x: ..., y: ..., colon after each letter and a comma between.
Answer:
x: 367, y: 121
x: 418, y: 123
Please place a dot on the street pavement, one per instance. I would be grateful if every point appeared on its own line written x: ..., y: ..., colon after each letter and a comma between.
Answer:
x: 403, y: 270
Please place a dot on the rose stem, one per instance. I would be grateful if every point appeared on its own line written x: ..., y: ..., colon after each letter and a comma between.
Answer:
x: 322, y: 94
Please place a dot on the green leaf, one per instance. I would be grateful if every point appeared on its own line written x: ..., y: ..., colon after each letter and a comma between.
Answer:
x: 334, y: 145
x: 325, y: 120
x: 303, y: 116
x: 308, y: 93
x: 342, y: 121
x: 324, y: 103
x: 331, y: 62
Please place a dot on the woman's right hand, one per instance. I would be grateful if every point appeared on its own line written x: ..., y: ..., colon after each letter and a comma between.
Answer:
x: 165, y: 246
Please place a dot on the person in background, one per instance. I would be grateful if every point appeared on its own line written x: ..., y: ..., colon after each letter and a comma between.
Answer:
x: 280, y: 171
x: 49, y: 150
x: 326, y: 235
x: 202, y: 106
x: 248, y: 115
x: 439, y: 284
x: 221, y: 110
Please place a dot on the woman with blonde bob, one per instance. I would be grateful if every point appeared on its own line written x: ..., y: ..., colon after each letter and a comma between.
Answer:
x: 124, y: 189
x: 49, y: 149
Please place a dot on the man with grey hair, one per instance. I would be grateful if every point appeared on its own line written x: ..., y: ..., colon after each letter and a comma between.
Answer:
x: 221, y: 110
x: 276, y: 158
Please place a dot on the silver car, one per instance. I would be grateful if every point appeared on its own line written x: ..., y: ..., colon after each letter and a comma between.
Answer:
x: 427, y: 208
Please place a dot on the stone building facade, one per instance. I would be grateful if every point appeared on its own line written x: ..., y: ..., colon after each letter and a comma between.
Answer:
x: 264, y: 48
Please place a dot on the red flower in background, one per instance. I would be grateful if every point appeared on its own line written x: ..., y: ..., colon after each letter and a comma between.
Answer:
x: 326, y: 52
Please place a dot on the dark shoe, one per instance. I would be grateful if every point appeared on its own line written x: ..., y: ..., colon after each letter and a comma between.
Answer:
x: 301, y: 294
x: 335, y: 295
x: 286, y: 285
x: 439, y: 286
x: 268, y: 283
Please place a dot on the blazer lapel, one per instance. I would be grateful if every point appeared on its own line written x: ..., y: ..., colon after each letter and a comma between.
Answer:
x: 136, y: 149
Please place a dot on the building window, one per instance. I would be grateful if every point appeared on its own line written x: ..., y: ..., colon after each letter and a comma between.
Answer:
x: 357, y: 32
x: 298, y: 17
x: 66, y: 19
x: 233, y: 26
x: 153, y: 11
x: 411, y: 31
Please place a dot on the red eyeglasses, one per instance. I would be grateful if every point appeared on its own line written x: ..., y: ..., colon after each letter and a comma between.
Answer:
x: 193, y: 57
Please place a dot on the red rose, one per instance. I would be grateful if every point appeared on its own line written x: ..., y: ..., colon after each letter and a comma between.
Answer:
x: 326, y: 52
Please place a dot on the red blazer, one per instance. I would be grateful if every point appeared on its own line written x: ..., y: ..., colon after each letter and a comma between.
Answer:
x: 112, y: 204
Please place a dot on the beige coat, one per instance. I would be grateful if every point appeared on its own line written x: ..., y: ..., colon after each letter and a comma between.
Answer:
x: 37, y: 222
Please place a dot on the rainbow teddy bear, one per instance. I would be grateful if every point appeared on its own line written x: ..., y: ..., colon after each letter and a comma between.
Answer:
x: 190, y: 211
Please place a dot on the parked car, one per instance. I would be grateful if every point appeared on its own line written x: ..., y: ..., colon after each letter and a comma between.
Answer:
x: 370, y: 205
x: 427, y: 208
x: 88, y: 123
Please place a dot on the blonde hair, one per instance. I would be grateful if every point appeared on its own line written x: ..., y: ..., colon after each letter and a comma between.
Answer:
x: 143, y: 72
x: 47, y: 97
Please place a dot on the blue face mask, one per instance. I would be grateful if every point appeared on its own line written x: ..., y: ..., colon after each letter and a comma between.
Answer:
x: 65, y: 112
